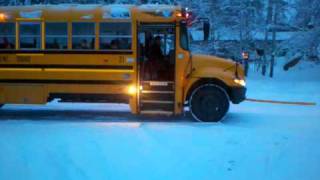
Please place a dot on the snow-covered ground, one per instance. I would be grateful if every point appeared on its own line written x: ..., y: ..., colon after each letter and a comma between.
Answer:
x: 103, y: 141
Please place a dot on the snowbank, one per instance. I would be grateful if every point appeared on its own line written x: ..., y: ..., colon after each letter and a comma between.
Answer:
x: 300, y: 83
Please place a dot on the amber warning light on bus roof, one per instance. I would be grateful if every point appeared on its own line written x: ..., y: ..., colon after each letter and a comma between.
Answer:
x: 185, y: 13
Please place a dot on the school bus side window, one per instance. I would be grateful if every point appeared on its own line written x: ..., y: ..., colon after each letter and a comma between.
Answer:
x: 7, y: 35
x: 115, y: 36
x: 83, y: 36
x: 30, y: 35
x: 56, y: 36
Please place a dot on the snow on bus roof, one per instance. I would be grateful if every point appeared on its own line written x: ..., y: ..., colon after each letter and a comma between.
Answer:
x: 116, y: 11
x: 85, y: 7
x: 156, y: 7
x: 60, y: 7
x: 75, y: 7
x: 87, y: 11
x: 31, y: 14
x: 161, y: 10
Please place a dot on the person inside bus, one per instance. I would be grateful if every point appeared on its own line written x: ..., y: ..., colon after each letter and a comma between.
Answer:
x: 156, y: 58
x: 123, y: 43
x: 114, y: 45
x: 84, y: 44
x: 148, y: 63
x: 148, y: 44
x: 6, y: 44
x: 55, y: 44
x: 35, y: 43
x: 156, y: 53
x: 92, y: 44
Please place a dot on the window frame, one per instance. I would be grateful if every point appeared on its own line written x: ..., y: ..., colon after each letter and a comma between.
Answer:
x: 39, y: 22
x: 14, y: 36
x: 72, y: 36
x: 59, y: 36
x: 130, y: 37
x: 69, y: 36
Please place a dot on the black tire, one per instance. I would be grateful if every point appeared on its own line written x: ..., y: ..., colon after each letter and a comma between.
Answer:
x: 1, y: 105
x: 209, y: 103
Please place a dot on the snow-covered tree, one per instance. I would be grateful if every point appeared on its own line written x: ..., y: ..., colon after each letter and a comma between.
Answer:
x: 307, y: 21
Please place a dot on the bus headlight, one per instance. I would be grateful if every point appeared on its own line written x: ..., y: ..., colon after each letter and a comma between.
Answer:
x: 3, y: 17
x: 132, y: 90
x: 241, y: 82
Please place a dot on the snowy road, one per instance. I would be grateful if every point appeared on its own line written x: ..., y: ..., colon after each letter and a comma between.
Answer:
x: 100, y: 141
x: 254, y: 141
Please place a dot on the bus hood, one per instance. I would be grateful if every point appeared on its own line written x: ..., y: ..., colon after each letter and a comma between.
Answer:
x: 215, y: 67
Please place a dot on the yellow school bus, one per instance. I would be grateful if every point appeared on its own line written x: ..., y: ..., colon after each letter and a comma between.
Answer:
x: 113, y: 53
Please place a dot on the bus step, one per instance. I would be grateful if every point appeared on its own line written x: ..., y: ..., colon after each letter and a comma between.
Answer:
x: 157, y: 106
x: 165, y: 113
x: 157, y: 85
x: 157, y: 97
x: 157, y: 92
x: 157, y: 102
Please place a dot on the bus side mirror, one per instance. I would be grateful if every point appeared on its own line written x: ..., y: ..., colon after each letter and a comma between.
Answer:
x: 260, y: 52
x: 200, y: 30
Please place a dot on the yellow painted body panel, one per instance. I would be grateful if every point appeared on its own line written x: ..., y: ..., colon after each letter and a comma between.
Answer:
x: 23, y: 94
x: 182, y: 61
x: 38, y: 93
x: 211, y: 67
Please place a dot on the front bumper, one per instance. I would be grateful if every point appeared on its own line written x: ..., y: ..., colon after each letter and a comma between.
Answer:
x: 237, y: 94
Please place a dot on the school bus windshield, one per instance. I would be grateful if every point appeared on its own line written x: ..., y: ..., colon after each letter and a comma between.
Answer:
x: 184, y: 41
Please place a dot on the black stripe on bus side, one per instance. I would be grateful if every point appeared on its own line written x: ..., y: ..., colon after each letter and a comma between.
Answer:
x: 65, y: 52
x: 84, y: 82
x: 66, y: 66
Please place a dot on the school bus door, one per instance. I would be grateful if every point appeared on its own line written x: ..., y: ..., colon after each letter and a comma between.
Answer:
x: 156, y: 68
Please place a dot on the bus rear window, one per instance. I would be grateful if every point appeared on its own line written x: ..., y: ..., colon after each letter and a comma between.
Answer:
x: 30, y: 35
x: 83, y: 36
x: 7, y: 35
x: 56, y: 36
x: 115, y: 36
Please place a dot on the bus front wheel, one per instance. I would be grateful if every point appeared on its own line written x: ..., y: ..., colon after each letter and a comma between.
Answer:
x: 209, y: 103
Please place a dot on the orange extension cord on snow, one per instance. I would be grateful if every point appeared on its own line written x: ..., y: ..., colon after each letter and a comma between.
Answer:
x: 282, y: 102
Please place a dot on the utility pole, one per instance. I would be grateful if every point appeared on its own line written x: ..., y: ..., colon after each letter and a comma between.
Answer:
x: 241, y: 28
x: 274, y: 38
x: 268, y: 22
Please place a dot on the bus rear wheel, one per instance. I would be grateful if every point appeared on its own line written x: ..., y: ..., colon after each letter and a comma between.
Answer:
x: 209, y: 103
